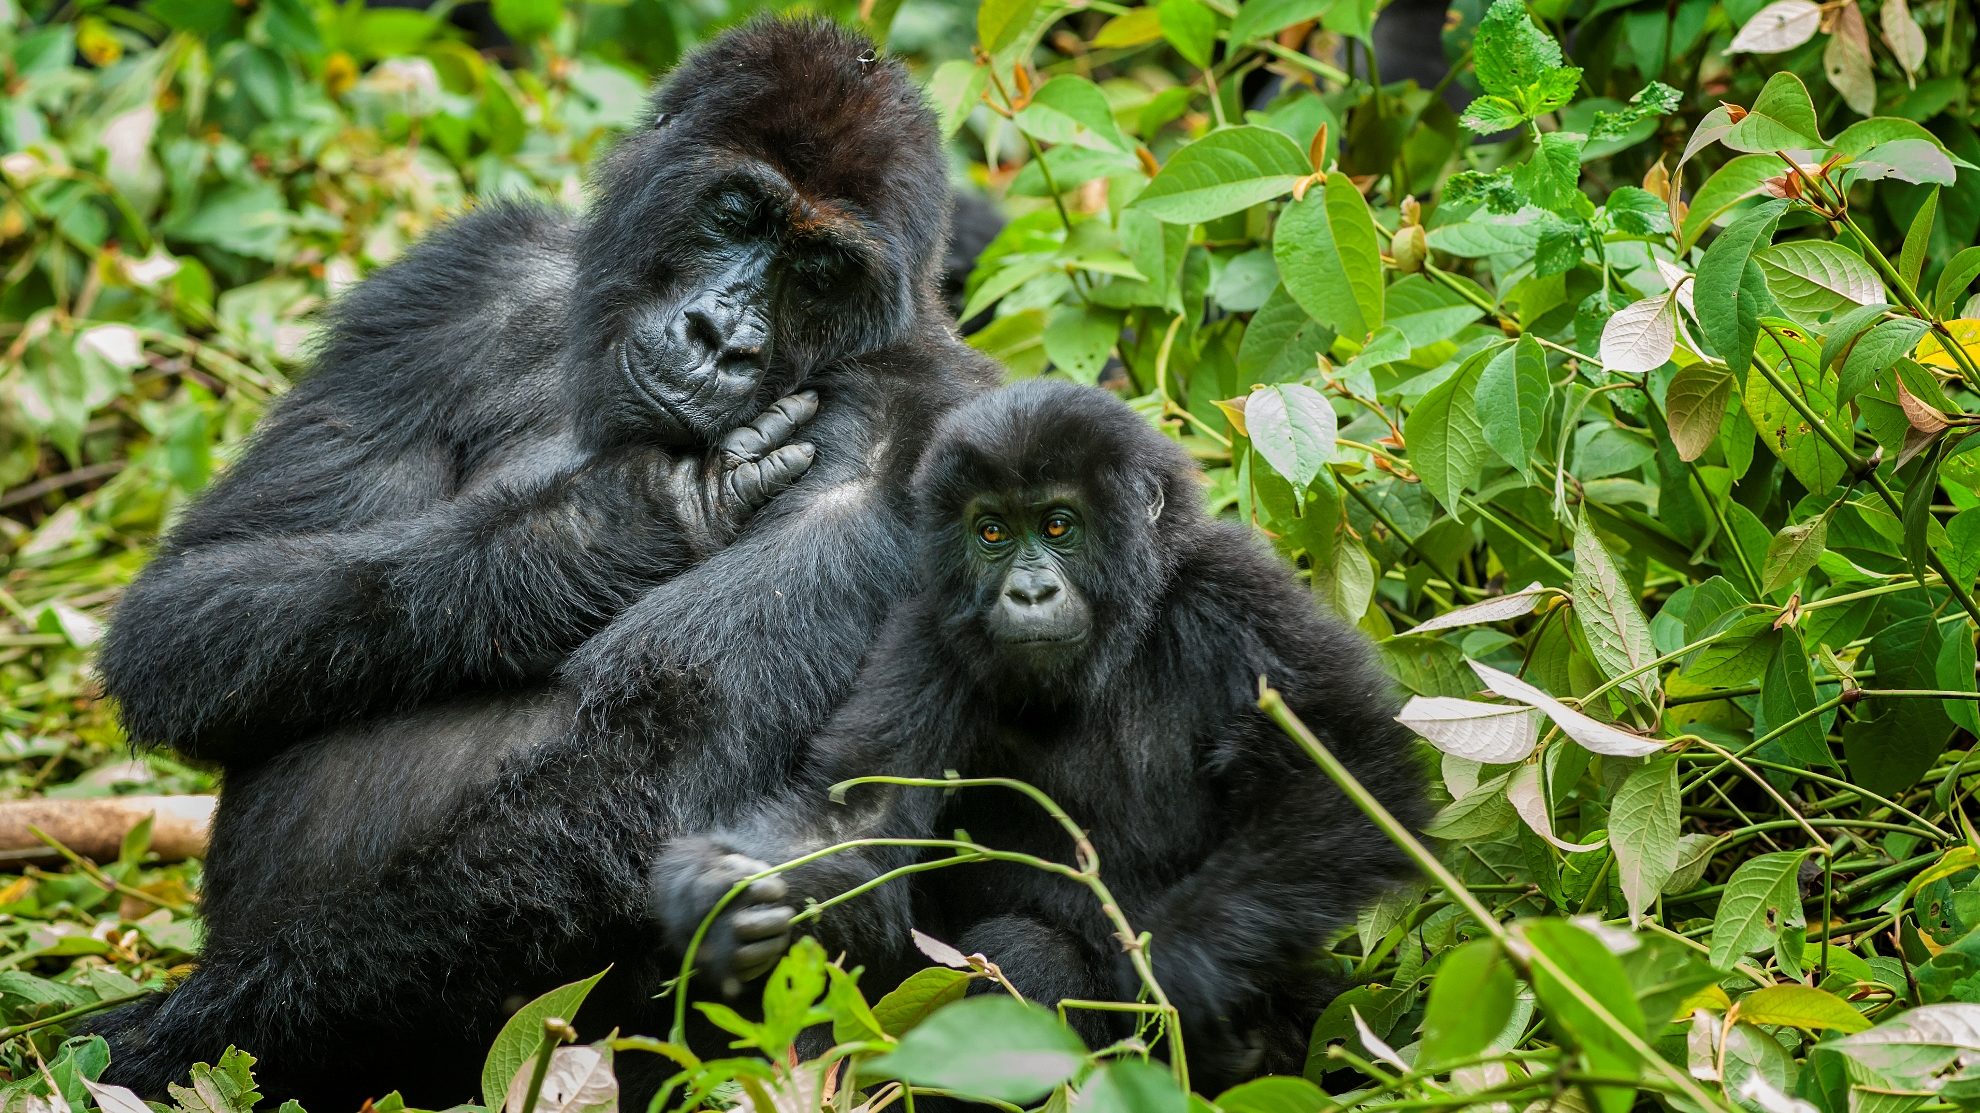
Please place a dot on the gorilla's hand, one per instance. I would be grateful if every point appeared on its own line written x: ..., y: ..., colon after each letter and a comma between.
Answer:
x: 750, y: 935
x: 716, y: 494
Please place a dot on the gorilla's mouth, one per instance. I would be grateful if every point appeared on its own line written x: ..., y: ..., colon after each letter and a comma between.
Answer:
x: 679, y: 425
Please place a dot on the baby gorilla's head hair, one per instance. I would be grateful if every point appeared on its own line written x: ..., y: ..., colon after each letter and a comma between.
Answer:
x: 1052, y: 519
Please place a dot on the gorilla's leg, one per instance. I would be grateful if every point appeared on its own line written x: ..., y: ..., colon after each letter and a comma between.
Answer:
x: 396, y: 972
x: 1048, y: 965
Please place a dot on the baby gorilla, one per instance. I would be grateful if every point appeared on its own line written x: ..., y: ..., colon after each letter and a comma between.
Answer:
x: 1085, y: 626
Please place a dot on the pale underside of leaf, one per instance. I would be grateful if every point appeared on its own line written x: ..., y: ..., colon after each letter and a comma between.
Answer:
x: 1782, y: 25
x: 1483, y: 732
x: 1511, y: 605
x: 1641, y: 336
x: 1592, y: 734
x: 1531, y: 803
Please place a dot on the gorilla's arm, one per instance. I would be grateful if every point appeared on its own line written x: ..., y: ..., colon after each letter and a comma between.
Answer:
x: 1302, y: 859
x: 221, y: 640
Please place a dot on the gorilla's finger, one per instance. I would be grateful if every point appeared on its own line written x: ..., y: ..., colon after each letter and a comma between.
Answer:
x: 772, y: 427
x: 756, y: 959
x: 759, y: 922
x: 770, y: 890
x: 756, y: 483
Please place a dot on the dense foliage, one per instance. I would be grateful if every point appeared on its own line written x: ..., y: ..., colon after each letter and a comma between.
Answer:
x: 1627, y: 405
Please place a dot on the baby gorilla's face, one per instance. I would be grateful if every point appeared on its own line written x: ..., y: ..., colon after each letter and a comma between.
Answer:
x: 1028, y: 550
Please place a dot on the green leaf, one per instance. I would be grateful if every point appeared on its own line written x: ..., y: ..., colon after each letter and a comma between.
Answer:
x: 1566, y: 954
x: 1282, y: 342
x: 1069, y: 109
x: 1801, y: 1006
x: 1259, y: 19
x: 1132, y: 28
x: 1481, y: 813
x: 993, y: 1046
x: 1643, y: 832
x: 1329, y: 257
x: 1129, y: 1085
x: 1953, y: 281
x: 1920, y: 1049
x: 918, y: 996
x: 1917, y: 514
x: 1552, y: 176
x: 954, y: 88
x: 1606, y: 610
x: 1445, y: 436
x: 526, y: 20
x: 1783, y: 118
x: 1000, y: 22
x: 1695, y: 406
x: 1911, y: 258
x: 1746, y: 643
x: 1737, y: 180
x: 519, y: 1038
x: 1872, y: 352
x: 1274, y: 1094
x: 1763, y: 897
x: 1785, y: 349
x: 1226, y: 171
x: 1731, y: 293
x: 1488, y: 115
x: 1293, y: 427
x: 1191, y: 28
x: 1512, y: 396
x: 1512, y: 54
x: 1079, y: 339
x: 1793, y: 552
x: 1812, y: 277
x: 1471, y: 999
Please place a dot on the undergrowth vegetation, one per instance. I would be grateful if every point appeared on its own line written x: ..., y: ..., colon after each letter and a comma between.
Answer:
x: 1624, y: 393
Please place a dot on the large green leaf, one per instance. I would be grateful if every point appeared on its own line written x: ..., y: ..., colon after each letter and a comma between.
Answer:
x: 1643, y: 832
x: 1445, y: 437
x: 993, y: 1046
x: 1763, y: 897
x: 1784, y: 429
x: 519, y: 1038
x: 1226, y: 171
x: 1471, y: 999
x: 1610, y: 618
x: 1732, y: 293
x: 1512, y: 394
x: 1812, y: 277
x: 1329, y: 257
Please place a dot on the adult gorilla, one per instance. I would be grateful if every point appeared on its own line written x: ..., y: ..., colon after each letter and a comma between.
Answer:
x: 379, y: 894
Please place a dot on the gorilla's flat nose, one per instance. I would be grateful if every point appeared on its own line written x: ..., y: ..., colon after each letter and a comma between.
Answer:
x: 1032, y: 589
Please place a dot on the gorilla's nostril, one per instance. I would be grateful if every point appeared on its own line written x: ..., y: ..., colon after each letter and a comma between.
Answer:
x: 1032, y: 594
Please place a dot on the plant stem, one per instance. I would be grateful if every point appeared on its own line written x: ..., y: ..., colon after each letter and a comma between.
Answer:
x: 1520, y: 953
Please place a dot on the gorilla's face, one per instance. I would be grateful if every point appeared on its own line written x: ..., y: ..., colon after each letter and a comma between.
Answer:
x: 763, y: 285
x: 783, y: 211
x: 1028, y: 554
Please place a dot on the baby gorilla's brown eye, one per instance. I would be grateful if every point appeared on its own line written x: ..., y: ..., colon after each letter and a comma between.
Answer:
x: 991, y: 533
x: 1057, y: 526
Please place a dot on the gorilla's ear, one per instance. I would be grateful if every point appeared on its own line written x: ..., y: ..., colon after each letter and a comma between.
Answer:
x: 1157, y: 499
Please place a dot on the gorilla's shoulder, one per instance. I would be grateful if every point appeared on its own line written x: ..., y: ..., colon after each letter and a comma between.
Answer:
x: 495, y: 281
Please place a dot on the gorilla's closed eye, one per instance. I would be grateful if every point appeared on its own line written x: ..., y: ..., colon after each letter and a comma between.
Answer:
x: 662, y: 120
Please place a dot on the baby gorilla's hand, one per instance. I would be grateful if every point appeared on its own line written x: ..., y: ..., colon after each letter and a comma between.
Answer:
x: 749, y: 936
x: 716, y: 495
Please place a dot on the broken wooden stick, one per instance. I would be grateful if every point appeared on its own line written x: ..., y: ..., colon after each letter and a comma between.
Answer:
x: 95, y: 827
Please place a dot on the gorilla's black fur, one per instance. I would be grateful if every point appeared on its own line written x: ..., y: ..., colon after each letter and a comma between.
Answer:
x: 485, y: 465
x: 1084, y: 626
x: 427, y: 528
